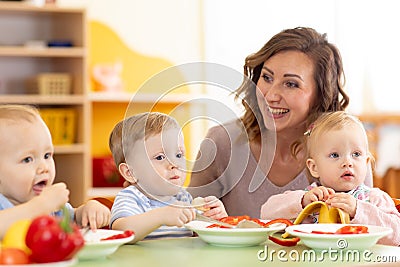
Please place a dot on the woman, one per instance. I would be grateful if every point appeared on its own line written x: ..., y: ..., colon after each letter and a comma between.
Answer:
x: 292, y: 79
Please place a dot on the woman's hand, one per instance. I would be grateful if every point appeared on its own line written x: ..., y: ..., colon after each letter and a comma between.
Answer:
x: 215, y: 209
x: 343, y: 201
x: 320, y: 193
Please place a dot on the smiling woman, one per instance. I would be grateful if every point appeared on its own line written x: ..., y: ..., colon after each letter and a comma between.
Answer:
x: 299, y: 75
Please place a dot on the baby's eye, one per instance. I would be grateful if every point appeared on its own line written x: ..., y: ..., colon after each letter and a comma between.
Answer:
x: 48, y: 155
x: 179, y: 155
x: 334, y: 155
x: 356, y: 154
x: 27, y: 159
x: 160, y: 157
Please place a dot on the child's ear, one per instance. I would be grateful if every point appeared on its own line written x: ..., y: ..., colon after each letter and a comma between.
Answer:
x: 127, y: 173
x: 312, y: 167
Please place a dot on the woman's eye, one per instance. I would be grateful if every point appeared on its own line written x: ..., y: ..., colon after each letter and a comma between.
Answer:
x: 267, y: 78
x: 334, y: 155
x: 160, y: 157
x: 27, y: 159
x: 292, y: 84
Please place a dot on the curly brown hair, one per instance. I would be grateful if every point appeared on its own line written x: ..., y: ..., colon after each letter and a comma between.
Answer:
x: 329, y: 75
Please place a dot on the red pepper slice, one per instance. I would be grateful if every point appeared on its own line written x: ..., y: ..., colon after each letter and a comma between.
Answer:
x: 287, y: 242
x: 352, y: 229
x: 322, y: 232
x: 126, y: 233
x: 280, y: 220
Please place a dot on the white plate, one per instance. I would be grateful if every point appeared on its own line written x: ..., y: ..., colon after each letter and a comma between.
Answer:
x: 233, y: 237
x: 95, y: 248
x: 50, y: 264
x: 337, y: 241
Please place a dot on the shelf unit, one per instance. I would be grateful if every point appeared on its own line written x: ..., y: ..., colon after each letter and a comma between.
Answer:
x: 21, y: 22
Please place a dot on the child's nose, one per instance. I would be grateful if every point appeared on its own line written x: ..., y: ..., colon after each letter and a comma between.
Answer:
x: 43, y: 167
x: 347, y: 162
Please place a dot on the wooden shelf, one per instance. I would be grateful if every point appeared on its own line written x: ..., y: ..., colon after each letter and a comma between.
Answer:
x: 143, y: 98
x: 43, y: 99
x: 22, y: 22
x: 27, y: 7
x: 22, y: 51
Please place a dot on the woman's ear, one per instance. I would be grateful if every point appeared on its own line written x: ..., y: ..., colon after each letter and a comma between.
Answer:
x: 312, y: 167
x: 127, y: 173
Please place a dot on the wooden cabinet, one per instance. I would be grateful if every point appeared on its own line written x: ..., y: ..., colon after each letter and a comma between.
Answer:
x: 20, y: 24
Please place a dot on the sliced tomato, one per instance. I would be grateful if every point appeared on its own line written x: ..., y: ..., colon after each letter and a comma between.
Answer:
x: 287, y: 242
x: 352, y: 229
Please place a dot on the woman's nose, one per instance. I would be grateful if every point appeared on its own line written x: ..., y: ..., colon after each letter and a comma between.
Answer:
x: 272, y: 93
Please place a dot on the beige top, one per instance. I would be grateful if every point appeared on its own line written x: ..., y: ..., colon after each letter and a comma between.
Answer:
x: 227, y: 169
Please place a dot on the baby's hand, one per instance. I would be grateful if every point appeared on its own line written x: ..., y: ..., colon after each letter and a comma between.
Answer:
x: 214, y: 208
x: 343, y: 201
x: 53, y: 197
x: 95, y: 214
x: 176, y: 215
x: 317, y: 193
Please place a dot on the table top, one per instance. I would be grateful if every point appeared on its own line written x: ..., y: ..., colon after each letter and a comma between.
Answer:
x: 193, y: 252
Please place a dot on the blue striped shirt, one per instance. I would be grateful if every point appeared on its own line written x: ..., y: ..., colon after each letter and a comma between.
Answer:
x: 130, y: 201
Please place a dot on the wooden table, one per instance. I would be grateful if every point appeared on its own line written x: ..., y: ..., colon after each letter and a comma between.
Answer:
x: 193, y: 252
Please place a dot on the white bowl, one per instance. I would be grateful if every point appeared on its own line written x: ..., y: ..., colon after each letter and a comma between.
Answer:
x: 95, y: 248
x: 233, y: 237
x: 337, y: 241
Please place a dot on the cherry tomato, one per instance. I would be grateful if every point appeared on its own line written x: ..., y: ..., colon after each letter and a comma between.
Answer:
x: 352, y: 229
x: 10, y: 256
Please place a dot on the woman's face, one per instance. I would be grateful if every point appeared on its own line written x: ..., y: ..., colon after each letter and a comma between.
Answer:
x: 287, y: 85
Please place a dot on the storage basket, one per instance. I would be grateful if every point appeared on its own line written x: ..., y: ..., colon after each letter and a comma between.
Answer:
x: 61, y: 123
x: 50, y: 84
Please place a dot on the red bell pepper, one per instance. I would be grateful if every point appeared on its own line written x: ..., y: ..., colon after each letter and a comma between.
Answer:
x: 280, y: 220
x: 352, y: 229
x: 53, y: 239
x: 287, y: 242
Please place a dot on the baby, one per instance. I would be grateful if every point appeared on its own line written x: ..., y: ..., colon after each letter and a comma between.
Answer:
x: 338, y: 157
x: 27, y: 173
x: 149, y: 152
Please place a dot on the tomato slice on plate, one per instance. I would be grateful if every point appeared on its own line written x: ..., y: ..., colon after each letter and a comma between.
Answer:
x: 352, y: 229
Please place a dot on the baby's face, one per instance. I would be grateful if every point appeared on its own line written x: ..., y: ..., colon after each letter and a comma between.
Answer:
x: 26, y: 159
x: 158, y: 163
x: 342, y: 158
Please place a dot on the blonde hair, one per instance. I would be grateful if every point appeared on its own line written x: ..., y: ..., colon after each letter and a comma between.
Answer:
x: 329, y: 122
x: 13, y: 112
x: 137, y: 127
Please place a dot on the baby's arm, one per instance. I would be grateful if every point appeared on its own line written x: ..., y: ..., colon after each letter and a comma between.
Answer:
x: 145, y: 223
x: 380, y: 210
x: 51, y: 199
x: 93, y: 214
